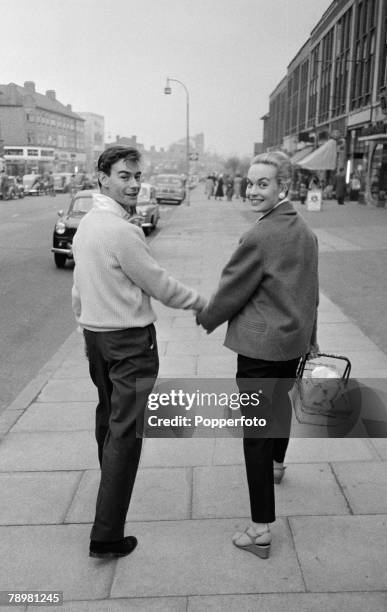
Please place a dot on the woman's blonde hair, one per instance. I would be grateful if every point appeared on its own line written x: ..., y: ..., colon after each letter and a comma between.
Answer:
x: 279, y: 160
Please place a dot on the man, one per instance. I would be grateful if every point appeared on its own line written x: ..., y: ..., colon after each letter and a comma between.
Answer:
x: 114, y: 278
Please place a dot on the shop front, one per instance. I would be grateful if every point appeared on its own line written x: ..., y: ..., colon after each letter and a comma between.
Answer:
x: 375, y: 167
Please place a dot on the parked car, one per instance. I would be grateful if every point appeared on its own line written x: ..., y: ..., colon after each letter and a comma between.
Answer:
x: 33, y: 184
x: 68, y: 223
x: 62, y: 181
x: 148, y: 208
x: 170, y: 188
x: 14, y: 189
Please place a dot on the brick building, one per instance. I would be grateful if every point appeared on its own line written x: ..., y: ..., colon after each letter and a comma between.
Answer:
x: 335, y: 89
x: 94, y: 130
x: 39, y: 133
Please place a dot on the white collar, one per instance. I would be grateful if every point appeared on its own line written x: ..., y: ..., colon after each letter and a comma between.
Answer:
x: 105, y: 202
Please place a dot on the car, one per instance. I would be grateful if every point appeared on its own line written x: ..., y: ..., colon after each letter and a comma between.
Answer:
x: 14, y: 189
x: 62, y: 181
x: 33, y: 184
x: 68, y: 222
x: 169, y: 188
x: 148, y: 208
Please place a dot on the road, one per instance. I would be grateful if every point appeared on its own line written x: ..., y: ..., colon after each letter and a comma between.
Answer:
x: 35, y: 314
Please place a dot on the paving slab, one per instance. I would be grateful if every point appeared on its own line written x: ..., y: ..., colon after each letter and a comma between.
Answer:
x: 53, y: 558
x: 292, y: 602
x: 161, y: 492
x: 33, y: 451
x: 305, y: 490
x: 178, y: 366
x: 180, y: 333
x: 327, y: 449
x: 217, y: 366
x: 8, y: 418
x: 343, y: 553
x: 364, y: 485
x: 29, y: 498
x: 69, y: 390
x: 141, y: 604
x: 174, y: 452
x: 198, y: 557
x: 57, y: 416
x: 73, y: 369
x: 196, y: 347
x: 229, y: 451
x: 380, y: 446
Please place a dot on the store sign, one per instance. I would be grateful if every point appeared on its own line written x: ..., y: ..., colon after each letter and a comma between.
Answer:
x: 314, y: 200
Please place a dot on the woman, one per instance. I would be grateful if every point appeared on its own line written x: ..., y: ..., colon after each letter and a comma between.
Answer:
x: 268, y: 293
x: 219, y: 188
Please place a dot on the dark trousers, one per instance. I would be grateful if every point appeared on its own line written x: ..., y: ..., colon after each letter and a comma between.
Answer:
x: 116, y: 360
x: 259, y: 452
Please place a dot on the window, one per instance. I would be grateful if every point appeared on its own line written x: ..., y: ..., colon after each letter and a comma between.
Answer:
x: 340, y: 77
x: 326, y: 75
x: 364, y: 54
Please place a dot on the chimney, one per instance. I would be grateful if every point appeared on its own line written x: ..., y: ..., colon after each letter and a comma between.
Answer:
x: 50, y: 93
x: 29, y: 86
x: 69, y: 107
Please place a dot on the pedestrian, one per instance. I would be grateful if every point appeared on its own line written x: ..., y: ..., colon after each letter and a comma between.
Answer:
x: 268, y: 293
x: 237, y: 185
x: 355, y: 186
x: 219, y: 188
x: 303, y: 192
x: 210, y: 186
x: 243, y: 188
x: 4, y: 185
x: 229, y: 188
x: 115, y: 276
x: 340, y: 186
x: 72, y: 185
x: 50, y: 184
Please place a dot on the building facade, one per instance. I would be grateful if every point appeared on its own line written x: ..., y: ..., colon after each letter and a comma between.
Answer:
x: 39, y: 133
x: 336, y: 88
x: 94, y: 129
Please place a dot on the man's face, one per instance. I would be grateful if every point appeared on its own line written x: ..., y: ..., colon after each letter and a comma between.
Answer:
x: 123, y: 183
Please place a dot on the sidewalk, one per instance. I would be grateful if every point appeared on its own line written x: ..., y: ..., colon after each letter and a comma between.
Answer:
x: 329, y: 548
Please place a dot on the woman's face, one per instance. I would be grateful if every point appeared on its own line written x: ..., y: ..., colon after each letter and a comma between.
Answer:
x: 263, y: 188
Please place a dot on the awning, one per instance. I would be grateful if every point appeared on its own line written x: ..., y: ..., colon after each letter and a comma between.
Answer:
x: 323, y: 158
x: 299, y: 155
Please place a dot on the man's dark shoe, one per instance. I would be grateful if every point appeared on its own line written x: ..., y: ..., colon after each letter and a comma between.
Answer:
x: 110, y: 550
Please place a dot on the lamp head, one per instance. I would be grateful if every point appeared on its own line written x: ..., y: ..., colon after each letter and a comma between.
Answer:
x: 167, y: 88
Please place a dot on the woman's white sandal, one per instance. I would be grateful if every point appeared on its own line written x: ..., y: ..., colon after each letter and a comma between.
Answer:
x: 256, y: 543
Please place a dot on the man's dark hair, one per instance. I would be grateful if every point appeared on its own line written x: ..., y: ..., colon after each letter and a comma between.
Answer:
x: 114, y: 154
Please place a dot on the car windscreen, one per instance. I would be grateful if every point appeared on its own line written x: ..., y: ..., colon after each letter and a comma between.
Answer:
x: 82, y: 205
x: 143, y: 195
x: 169, y: 181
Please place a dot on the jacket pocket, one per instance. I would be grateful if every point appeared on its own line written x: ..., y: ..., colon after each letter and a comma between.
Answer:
x: 257, y: 326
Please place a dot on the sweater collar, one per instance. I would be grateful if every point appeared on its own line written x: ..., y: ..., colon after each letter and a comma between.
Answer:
x: 105, y: 203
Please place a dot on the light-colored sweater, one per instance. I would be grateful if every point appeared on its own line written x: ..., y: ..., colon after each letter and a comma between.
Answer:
x: 115, y: 274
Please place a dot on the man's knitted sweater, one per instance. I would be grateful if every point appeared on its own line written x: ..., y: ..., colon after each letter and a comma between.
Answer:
x: 115, y: 274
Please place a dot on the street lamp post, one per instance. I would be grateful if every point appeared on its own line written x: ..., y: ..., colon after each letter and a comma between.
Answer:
x: 168, y: 90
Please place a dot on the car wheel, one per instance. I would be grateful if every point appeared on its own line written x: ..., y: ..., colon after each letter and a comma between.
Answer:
x: 60, y: 260
x: 147, y: 230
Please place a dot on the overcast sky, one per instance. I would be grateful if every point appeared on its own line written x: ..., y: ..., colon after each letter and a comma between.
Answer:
x: 112, y: 57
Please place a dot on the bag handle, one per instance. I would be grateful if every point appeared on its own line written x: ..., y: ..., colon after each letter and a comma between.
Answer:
x: 303, y: 360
